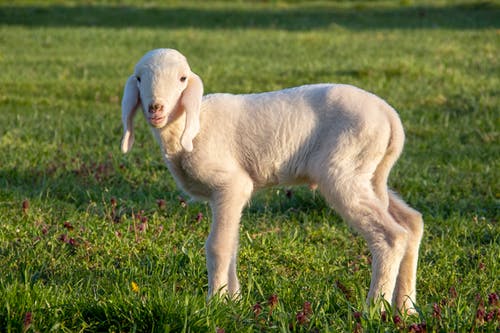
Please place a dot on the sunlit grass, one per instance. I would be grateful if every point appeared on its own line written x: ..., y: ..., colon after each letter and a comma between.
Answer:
x: 92, y: 240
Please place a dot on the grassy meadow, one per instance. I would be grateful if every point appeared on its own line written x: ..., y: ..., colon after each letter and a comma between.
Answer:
x: 93, y: 240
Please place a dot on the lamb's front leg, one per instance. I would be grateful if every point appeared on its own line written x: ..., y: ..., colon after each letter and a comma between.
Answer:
x: 222, y: 243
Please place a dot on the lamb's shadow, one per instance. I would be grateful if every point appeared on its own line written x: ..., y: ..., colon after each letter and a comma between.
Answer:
x: 82, y: 186
x: 466, y: 16
x: 96, y: 183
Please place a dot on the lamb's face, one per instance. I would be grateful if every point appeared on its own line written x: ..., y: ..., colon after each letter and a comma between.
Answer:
x: 161, y: 78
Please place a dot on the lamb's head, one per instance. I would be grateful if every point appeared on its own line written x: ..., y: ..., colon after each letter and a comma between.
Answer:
x: 165, y: 87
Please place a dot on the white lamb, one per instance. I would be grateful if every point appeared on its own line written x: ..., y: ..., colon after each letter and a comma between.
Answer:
x: 223, y: 147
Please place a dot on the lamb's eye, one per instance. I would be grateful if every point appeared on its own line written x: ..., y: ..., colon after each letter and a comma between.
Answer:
x: 183, y: 78
x: 138, y: 78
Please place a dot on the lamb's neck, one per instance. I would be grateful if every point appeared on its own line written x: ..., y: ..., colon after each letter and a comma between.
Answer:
x: 169, y: 137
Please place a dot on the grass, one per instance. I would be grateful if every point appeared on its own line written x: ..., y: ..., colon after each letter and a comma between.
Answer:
x: 92, y: 240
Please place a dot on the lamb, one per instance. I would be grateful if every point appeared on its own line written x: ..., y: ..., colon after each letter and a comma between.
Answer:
x: 222, y: 147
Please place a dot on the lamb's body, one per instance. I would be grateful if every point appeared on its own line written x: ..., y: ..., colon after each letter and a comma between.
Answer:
x: 301, y: 133
x: 222, y: 147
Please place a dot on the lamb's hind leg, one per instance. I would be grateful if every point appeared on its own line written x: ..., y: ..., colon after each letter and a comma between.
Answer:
x: 360, y: 206
x: 411, y: 220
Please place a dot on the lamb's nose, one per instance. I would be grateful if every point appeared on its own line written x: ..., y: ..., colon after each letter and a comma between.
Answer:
x: 155, y: 107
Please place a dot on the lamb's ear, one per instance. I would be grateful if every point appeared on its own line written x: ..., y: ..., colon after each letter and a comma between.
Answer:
x: 191, y: 102
x: 130, y: 103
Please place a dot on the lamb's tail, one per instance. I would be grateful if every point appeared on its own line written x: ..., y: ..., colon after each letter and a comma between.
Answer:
x: 392, y: 153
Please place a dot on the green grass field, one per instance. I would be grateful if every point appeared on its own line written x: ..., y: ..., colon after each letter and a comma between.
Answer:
x: 93, y: 240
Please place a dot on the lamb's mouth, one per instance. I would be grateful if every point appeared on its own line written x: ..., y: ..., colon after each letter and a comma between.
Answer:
x: 157, y: 121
